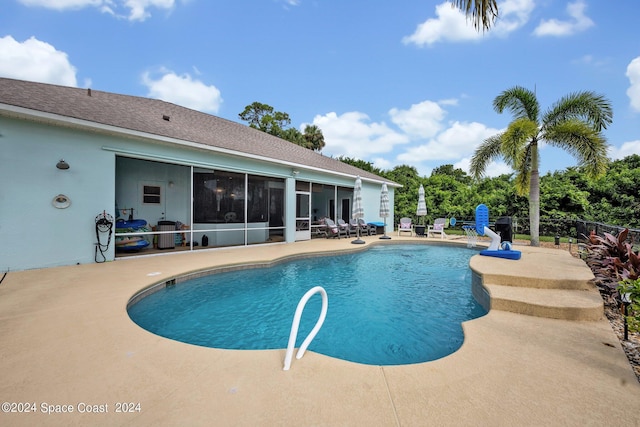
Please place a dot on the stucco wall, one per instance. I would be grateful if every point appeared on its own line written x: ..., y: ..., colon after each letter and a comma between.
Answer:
x: 35, y: 234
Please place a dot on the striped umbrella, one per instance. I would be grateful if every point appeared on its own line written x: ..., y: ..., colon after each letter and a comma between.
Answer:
x: 358, y: 210
x: 384, y: 208
x: 422, y: 205
x: 384, y: 201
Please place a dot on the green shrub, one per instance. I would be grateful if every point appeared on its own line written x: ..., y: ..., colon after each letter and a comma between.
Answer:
x: 631, y: 289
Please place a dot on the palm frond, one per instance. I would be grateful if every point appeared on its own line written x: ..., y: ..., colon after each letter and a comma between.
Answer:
x: 519, y: 133
x: 583, y: 142
x: 522, y: 181
x: 523, y: 168
x: 483, y: 13
x: 489, y: 150
x: 521, y: 102
x: 587, y: 106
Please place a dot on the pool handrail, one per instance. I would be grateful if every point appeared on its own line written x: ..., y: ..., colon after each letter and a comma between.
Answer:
x: 296, y: 324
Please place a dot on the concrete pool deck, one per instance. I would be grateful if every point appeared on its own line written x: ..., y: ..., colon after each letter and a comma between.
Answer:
x: 67, y: 343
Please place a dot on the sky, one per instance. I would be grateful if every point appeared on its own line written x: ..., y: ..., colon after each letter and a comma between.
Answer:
x: 403, y: 82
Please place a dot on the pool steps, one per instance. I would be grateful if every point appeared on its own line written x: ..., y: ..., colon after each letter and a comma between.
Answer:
x: 523, y: 287
x: 551, y: 303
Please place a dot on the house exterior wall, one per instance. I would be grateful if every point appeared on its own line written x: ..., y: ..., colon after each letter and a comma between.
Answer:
x: 35, y: 234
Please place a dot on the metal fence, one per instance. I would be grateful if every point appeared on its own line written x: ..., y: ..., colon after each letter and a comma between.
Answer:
x: 563, y: 227
x: 575, y: 228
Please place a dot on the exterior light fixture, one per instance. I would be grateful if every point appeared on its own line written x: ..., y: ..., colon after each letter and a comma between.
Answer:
x: 626, y: 302
x: 61, y: 201
x: 62, y: 165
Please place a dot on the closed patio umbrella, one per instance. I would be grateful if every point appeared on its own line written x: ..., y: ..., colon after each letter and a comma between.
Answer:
x: 422, y: 205
x: 422, y: 209
x: 384, y: 208
x: 357, y: 212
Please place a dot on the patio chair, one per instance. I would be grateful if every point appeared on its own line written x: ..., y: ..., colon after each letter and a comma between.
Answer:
x: 350, y: 229
x: 405, y: 226
x: 332, y: 229
x: 437, y: 228
x: 366, y: 228
x: 355, y: 224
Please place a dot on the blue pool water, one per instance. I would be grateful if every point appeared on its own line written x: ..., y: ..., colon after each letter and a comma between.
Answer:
x: 388, y: 305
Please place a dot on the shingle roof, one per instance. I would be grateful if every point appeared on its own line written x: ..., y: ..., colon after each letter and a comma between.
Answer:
x: 149, y: 116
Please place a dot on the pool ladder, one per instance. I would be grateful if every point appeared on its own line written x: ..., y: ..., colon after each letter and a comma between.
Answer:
x: 296, y: 324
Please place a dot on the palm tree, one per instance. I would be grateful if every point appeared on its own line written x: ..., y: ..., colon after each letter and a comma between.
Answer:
x: 314, y: 137
x: 482, y: 12
x: 574, y: 123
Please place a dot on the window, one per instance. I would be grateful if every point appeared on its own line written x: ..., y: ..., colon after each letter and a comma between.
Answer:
x: 151, y: 194
x: 218, y: 197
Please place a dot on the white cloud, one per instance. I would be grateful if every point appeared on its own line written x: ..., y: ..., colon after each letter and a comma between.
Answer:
x: 136, y: 10
x: 421, y: 120
x: 578, y: 22
x: 449, y: 101
x: 449, y: 145
x: 591, y: 61
x: 513, y: 14
x: 183, y: 90
x: 35, y: 60
x: 353, y: 135
x: 633, y: 73
x: 382, y: 163
x: 452, y: 24
x: 627, y: 149
x: 139, y: 8
x: 421, y: 139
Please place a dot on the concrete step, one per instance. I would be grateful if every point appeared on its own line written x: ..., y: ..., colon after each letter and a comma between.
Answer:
x: 535, y: 270
x: 567, y: 304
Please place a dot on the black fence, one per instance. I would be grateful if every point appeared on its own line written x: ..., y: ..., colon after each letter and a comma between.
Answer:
x: 574, y: 228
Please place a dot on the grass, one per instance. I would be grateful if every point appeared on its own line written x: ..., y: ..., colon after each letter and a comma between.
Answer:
x: 550, y: 239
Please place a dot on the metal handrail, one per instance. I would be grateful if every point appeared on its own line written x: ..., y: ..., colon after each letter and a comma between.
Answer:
x: 296, y: 323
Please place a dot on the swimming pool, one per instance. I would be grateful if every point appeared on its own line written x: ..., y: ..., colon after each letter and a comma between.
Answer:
x: 388, y: 305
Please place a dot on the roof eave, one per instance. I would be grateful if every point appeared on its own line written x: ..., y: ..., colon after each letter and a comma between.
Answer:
x: 56, y: 119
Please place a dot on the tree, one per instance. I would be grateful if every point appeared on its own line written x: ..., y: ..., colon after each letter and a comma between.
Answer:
x: 614, y: 199
x: 314, y: 137
x: 405, y: 198
x: 500, y: 195
x: 293, y: 135
x: 457, y: 173
x: 561, y: 198
x: 263, y: 117
x: 574, y: 123
x: 361, y: 164
x: 483, y: 13
x: 447, y: 197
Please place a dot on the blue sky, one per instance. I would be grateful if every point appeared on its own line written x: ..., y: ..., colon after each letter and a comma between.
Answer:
x: 403, y: 82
